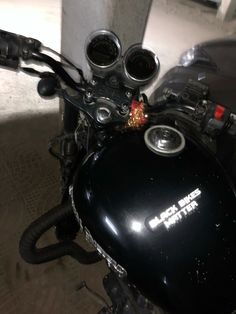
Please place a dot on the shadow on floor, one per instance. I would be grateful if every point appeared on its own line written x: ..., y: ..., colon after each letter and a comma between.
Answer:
x: 29, y: 186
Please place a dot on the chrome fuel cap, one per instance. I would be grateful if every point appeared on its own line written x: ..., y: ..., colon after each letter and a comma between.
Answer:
x: 164, y: 140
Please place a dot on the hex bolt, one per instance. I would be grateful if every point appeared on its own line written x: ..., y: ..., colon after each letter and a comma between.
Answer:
x: 128, y: 94
x: 93, y: 82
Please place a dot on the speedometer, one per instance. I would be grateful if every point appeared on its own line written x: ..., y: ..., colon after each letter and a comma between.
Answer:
x: 103, y: 49
x: 140, y: 65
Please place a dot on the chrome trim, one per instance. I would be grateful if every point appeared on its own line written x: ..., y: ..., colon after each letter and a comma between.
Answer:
x: 158, y: 151
x: 127, y: 54
x: 110, y: 261
x: 113, y: 37
x: 98, y: 115
x: 74, y: 209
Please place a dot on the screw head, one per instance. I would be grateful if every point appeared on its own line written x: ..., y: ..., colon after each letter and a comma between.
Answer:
x: 93, y: 82
x: 128, y: 94
x: 88, y: 95
x: 29, y: 40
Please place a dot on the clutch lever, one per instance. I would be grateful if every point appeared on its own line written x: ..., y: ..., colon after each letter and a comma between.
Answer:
x: 15, y: 47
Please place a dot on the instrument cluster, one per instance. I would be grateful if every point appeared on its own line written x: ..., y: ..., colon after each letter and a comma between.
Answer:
x: 136, y: 67
x: 117, y: 76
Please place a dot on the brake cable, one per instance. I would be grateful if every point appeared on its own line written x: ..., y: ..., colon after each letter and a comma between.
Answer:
x: 67, y: 61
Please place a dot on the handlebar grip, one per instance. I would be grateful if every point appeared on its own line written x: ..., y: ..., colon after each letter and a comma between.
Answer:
x: 13, y: 47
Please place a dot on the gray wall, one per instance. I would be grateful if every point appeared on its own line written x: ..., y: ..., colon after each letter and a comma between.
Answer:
x: 127, y: 18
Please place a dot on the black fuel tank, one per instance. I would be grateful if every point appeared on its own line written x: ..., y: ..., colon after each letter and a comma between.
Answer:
x: 169, y: 221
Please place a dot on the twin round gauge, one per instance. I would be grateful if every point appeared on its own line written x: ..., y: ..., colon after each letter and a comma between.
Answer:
x: 103, y: 52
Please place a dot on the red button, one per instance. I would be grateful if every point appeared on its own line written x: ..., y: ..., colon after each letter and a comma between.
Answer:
x: 219, y: 112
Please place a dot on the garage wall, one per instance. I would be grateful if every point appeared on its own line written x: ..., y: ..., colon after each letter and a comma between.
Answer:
x: 127, y: 18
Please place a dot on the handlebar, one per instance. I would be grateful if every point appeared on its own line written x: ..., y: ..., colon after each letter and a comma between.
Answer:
x: 57, y: 68
x: 13, y: 47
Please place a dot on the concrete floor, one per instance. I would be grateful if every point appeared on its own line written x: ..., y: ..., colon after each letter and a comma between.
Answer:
x: 30, y: 177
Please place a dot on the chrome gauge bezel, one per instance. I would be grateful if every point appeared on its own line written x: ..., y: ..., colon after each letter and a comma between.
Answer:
x: 112, y: 36
x: 156, y: 150
x: 131, y: 50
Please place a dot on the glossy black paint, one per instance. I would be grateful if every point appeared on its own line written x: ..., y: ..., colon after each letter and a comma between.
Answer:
x: 222, y: 54
x: 219, y: 75
x: 189, y: 268
x: 221, y: 88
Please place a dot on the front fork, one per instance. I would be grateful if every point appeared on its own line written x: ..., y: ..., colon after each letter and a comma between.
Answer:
x: 68, y: 157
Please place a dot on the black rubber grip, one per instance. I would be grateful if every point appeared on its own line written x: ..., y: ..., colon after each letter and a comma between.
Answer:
x: 13, y: 47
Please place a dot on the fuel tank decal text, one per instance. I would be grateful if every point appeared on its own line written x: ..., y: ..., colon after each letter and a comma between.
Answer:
x: 176, y: 212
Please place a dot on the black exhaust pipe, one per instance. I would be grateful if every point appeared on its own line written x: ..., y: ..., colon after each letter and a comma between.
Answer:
x: 33, y: 255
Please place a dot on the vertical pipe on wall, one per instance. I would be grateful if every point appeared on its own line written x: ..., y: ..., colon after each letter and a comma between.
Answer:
x: 127, y: 18
x: 226, y: 10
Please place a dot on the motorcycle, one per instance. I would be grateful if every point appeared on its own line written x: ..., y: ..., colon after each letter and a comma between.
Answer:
x: 151, y: 184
